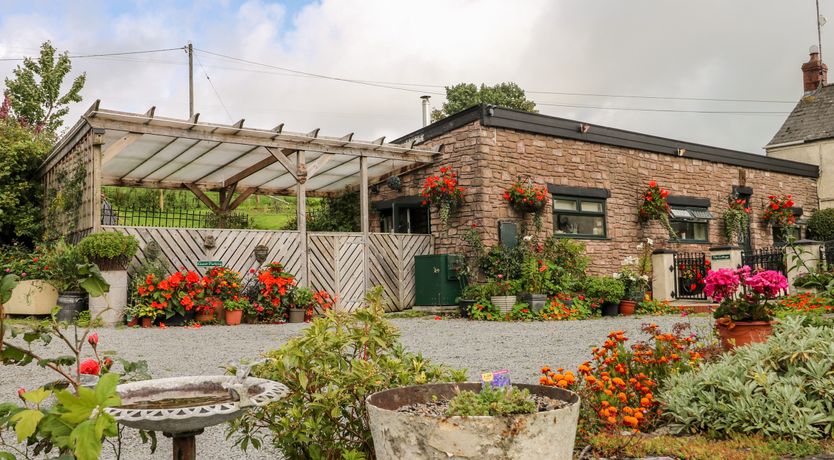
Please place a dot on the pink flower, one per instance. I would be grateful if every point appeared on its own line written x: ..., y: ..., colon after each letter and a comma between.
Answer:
x: 500, y: 277
x: 768, y: 283
x: 723, y: 283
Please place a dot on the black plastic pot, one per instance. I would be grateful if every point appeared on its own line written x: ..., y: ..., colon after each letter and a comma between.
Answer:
x: 71, y: 303
x: 178, y: 320
x: 610, y: 308
x: 464, y: 305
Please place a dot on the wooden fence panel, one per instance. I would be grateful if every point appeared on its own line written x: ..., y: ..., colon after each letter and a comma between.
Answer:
x: 335, y: 260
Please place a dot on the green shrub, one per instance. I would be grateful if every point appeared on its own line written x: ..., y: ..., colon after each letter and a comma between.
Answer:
x: 109, y: 250
x: 339, y: 361
x: 492, y: 402
x: 65, y: 260
x: 782, y: 388
x: 821, y: 224
x: 567, y: 254
x: 604, y: 287
x: 504, y: 261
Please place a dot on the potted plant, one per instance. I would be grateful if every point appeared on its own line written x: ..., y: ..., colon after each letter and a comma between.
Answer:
x: 34, y: 293
x: 206, y: 312
x: 634, y: 287
x: 66, y: 260
x: 234, y: 308
x: 111, y: 251
x: 526, y: 198
x: 221, y: 284
x: 503, y: 294
x: 736, y: 219
x: 744, y: 313
x: 147, y: 315
x: 443, y: 192
x: 473, y: 420
x: 608, y: 290
x: 300, y: 300
x: 656, y: 207
x: 534, y: 275
x: 470, y: 294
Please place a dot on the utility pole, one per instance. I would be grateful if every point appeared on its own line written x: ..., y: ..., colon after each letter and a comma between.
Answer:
x: 820, y: 23
x: 190, y: 80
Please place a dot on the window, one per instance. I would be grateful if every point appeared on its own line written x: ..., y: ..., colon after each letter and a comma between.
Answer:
x: 404, y: 219
x: 579, y: 217
x: 691, y: 223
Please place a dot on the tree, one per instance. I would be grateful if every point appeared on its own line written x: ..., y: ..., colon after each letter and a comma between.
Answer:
x: 35, y: 90
x: 464, y: 95
x: 21, y: 152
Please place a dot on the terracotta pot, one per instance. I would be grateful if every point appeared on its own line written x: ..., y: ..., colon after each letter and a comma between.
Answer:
x: 133, y: 322
x: 233, y: 317
x: 627, y: 307
x: 204, y: 317
x: 147, y: 322
x: 744, y: 332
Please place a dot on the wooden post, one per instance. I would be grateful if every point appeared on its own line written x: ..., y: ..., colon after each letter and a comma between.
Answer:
x: 364, y: 219
x: 301, y: 216
x: 95, y: 201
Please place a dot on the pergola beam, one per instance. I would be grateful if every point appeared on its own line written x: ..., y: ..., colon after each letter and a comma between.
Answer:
x: 227, y: 164
x: 281, y: 156
x: 203, y: 197
x: 168, y: 185
x: 242, y: 196
x: 116, y: 147
x: 255, y: 168
x: 318, y: 163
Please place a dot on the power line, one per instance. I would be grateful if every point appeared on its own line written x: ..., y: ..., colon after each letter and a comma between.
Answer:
x: 634, y: 96
x: 121, y: 53
x: 637, y: 109
x: 228, y: 114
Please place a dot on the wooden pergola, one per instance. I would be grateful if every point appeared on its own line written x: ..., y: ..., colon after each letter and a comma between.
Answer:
x: 146, y: 151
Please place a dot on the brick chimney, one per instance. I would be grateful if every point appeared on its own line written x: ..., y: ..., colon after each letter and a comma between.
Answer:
x: 814, y: 72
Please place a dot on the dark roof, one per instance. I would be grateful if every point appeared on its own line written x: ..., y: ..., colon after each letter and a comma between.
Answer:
x: 499, y: 117
x: 811, y: 120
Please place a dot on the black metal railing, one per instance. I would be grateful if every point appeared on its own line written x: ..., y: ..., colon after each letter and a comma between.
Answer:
x: 772, y: 258
x: 690, y: 274
x: 177, y: 217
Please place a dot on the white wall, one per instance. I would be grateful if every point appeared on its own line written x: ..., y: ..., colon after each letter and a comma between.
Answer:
x: 817, y: 153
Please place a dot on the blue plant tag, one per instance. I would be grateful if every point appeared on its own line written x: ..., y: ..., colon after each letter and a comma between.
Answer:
x: 496, y: 379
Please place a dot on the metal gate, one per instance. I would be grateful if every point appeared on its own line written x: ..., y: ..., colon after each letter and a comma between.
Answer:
x: 772, y: 258
x: 827, y: 254
x: 690, y: 273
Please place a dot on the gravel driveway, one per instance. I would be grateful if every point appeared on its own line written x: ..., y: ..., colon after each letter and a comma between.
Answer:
x: 478, y: 346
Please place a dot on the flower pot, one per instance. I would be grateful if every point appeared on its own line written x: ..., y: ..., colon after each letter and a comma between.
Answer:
x: 233, y: 317
x: 400, y: 435
x: 133, y: 322
x: 32, y: 297
x: 464, y: 305
x: 610, y: 308
x: 297, y: 315
x: 250, y: 319
x: 111, y: 306
x: 205, y: 317
x: 627, y: 307
x: 219, y: 309
x: 743, y: 333
x: 503, y: 302
x: 179, y: 320
x: 71, y: 303
x: 147, y: 322
x: 535, y: 301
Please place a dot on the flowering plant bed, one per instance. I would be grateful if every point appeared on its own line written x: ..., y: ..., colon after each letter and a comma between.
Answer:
x: 174, y: 295
x: 222, y: 282
x: 274, y: 285
x: 443, y: 192
x: 752, y: 303
x: 26, y: 265
x: 778, y: 211
x: 655, y: 207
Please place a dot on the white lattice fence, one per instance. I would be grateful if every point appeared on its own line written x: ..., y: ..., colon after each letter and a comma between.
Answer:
x: 335, y: 260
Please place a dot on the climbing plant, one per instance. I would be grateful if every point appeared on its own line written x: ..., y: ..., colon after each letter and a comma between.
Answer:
x: 64, y: 199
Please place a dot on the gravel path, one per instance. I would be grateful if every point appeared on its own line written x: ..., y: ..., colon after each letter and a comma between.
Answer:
x: 478, y: 346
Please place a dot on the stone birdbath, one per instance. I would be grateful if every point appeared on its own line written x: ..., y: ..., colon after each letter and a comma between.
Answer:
x: 181, y: 407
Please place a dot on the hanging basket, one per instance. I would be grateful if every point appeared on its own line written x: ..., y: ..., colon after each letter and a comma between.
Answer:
x: 395, y: 183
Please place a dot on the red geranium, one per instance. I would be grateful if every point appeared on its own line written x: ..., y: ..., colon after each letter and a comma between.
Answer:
x: 778, y: 211
x: 443, y: 192
x: 90, y: 367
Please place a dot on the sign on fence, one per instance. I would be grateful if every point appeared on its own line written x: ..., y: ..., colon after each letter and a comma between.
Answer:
x: 720, y: 257
x: 209, y: 263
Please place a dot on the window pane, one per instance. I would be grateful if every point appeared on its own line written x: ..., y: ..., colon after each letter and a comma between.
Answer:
x: 580, y: 225
x: 591, y: 206
x: 688, y: 230
x: 699, y: 230
x: 681, y: 213
x: 564, y: 205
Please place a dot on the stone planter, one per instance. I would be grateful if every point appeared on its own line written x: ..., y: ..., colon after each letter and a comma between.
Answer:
x: 627, y: 307
x: 535, y: 301
x: 464, y: 305
x: 610, y: 308
x: 233, y: 317
x: 743, y: 333
x: 32, y: 297
x: 297, y: 315
x: 71, y: 303
x: 116, y: 299
x: 399, y: 435
x: 503, y: 302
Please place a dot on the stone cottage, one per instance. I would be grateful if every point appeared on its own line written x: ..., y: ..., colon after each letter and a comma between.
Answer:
x: 595, y: 176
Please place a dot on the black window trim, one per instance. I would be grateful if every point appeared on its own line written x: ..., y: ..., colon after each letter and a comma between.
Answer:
x: 578, y: 200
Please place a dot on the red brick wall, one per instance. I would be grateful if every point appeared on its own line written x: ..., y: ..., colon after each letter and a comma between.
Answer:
x: 490, y: 159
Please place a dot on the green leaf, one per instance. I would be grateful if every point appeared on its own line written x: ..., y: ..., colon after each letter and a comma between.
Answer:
x: 7, y: 284
x: 6, y: 456
x: 76, y: 409
x: 92, y: 281
x: 106, y: 395
x: 37, y: 396
x: 87, y: 444
x: 26, y: 423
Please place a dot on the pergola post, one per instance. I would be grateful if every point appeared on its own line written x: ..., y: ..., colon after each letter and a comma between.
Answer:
x: 301, y: 214
x: 95, y: 188
x: 364, y: 218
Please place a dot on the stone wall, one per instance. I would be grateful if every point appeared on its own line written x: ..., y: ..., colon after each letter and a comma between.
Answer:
x: 490, y: 159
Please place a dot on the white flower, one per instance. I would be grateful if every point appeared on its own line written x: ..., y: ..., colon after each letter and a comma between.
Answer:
x: 616, y: 276
x: 630, y: 260
x: 644, y: 277
x: 650, y: 241
x: 640, y: 246
x: 528, y: 237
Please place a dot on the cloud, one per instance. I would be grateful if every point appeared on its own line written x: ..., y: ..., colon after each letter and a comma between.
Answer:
x: 712, y: 48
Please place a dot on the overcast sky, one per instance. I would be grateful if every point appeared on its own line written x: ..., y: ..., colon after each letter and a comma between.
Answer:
x: 704, y: 49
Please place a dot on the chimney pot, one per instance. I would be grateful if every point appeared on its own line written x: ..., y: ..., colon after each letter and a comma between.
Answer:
x: 814, y: 72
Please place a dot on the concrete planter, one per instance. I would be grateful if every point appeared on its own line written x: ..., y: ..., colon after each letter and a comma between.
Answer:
x: 535, y: 301
x: 503, y: 302
x: 116, y: 299
x: 32, y: 297
x: 399, y: 435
